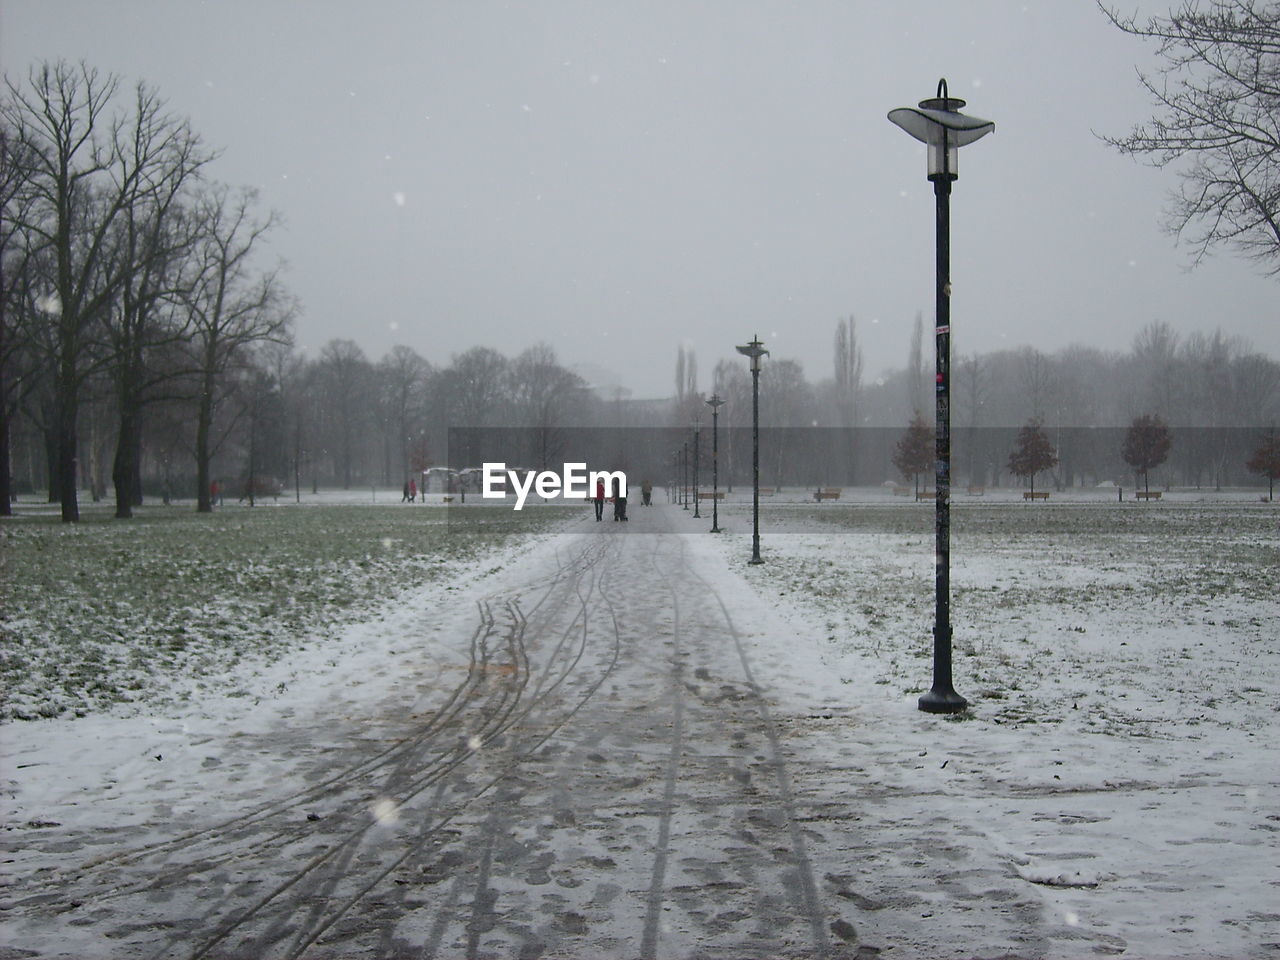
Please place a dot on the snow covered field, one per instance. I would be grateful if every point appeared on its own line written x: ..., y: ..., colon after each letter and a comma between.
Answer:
x: 1113, y: 790
x: 170, y: 605
x: 1122, y: 661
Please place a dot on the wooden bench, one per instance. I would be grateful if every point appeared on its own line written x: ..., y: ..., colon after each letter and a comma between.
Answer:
x: 977, y: 490
x: 926, y: 495
x: 828, y: 493
x: 1146, y: 494
x: 712, y: 495
x: 447, y: 499
x: 767, y: 491
x: 902, y: 491
x: 1035, y: 494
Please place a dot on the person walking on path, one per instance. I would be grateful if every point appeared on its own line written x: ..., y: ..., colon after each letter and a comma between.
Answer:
x: 413, y: 491
x: 599, y: 500
x: 404, y: 493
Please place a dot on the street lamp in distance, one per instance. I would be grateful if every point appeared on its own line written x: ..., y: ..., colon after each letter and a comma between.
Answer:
x: 684, y: 474
x: 697, y: 433
x: 943, y: 129
x: 714, y: 403
x: 756, y: 352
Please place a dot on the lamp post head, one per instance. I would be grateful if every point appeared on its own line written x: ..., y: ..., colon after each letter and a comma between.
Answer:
x: 938, y: 123
x: 714, y: 402
x: 755, y: 350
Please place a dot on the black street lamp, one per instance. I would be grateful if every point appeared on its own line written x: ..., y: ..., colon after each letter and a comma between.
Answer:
x: 938, y: 124
x: 697, y: 431
x: 714, y: 403
x: 756, y: 351
x: 684, y: 474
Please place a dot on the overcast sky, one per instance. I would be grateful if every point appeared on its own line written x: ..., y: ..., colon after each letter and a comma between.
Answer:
x: 617, y: 178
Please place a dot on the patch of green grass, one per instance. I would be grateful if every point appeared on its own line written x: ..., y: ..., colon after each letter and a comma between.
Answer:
x: 108, y: 611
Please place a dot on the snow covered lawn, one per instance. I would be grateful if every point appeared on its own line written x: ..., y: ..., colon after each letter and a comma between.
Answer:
x: 1113, y: 789
x: 147, y: 612
x: 1122, y: 662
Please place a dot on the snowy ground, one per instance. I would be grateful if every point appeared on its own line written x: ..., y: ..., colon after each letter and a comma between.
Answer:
x: 609, y: 744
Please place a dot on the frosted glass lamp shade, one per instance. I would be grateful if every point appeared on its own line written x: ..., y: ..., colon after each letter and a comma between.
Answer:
x: 943, y: 129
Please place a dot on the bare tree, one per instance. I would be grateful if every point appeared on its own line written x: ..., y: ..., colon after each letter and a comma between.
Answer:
x: 84, y: 168
x: 544, y: 396
x: 402, y: 377
x: 1037, y: 380
x: 972, y: 381
x: 848, y: 369
x: 15, y: 276
x: 230, y: 307
x: 144, y: 325
x: 1155, y: 351
x: 1217, y: 102
x: 917, y: 398
x: 344, y: 375
x: 848, y: 381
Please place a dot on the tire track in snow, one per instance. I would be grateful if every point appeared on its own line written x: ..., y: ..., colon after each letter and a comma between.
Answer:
x: 413, y: 849
x: 485, y: 705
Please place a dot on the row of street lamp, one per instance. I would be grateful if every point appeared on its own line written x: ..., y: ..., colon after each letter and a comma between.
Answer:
x: 938, y: 123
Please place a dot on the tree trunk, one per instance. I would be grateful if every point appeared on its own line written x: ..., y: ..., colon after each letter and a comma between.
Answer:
x: 67, y: 461
x: 204, y: 420
x: 297, y: 460
x: 124, y: 467
x: 6, y: 464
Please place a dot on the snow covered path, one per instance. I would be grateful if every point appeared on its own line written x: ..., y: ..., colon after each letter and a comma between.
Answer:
x: 613, y: 747
x: 589, y: 770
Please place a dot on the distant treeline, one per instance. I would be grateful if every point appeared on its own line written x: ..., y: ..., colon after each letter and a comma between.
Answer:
x: 286, y: 421
x: 144, y: 352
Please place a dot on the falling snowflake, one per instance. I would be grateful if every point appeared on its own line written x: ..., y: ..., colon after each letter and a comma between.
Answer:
x: 385, y: 812
x: 399, y: 198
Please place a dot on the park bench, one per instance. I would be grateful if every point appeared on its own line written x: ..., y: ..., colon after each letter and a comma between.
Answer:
x: 447, y: 499
x: 926, y: 495
x: 828, y: 493
x: 767, y: 491
x: 712, y: 495
x: 902, y: 491
x: 977, y: 490
x: 1146, y: 494
x: 1035, y: 494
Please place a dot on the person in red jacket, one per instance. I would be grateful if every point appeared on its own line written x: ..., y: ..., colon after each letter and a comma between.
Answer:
x: 599, y: 500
